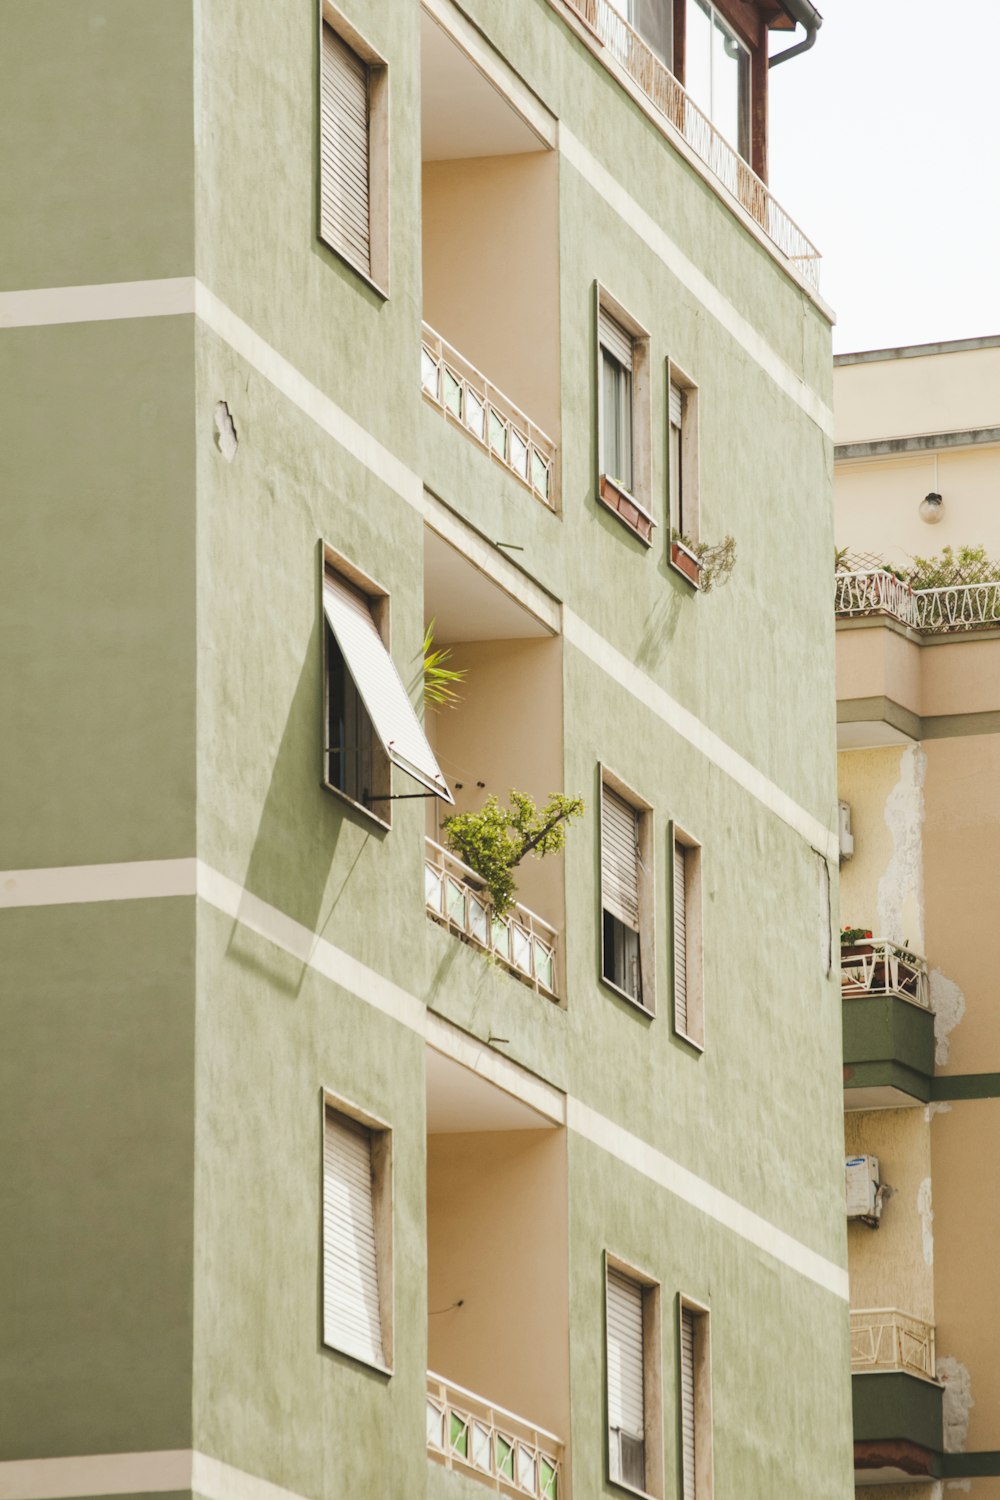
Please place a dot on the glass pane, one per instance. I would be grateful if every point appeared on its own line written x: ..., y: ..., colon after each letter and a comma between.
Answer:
x: 428, y: 372
x: 432, y: 887
x: 518, y: 453
x: 521, y: 942
x: 654, y: 21
x: 526, y: 1468
x: 481, y: 1446
x: 612, y: 375
x: 549, y: 1478
x: 676, y: 491
x: 498, y: 434
x: 479, y: 922
x: 435, y: 1425
x: 456, y: 901
x: 698, y: 54
x: 625, y: 423
x: 501, y: 937
x: 452, y: 392
x: 539, y: 473
x: 616, y: 36
x: 458, y: 1434
x: 504, y: 1457
x: 544, y: 965
x: 475, y: 413
x: 730, y: 79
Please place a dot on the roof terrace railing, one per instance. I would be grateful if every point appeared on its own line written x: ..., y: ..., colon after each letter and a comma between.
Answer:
x: 506, y: 1452
x: 961, y: 606
x: 875, y: 967
x: 661, y: 88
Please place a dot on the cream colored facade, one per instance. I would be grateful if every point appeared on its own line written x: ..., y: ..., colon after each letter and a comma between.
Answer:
x: 919, y: 735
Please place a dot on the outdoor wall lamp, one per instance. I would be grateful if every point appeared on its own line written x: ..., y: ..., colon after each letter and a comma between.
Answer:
x: 931, y: 507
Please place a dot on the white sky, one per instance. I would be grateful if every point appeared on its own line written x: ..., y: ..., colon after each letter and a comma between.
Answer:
x: 885, y: 148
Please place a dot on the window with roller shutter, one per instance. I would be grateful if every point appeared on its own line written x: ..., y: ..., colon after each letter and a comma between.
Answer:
x: 626, y: 879
x: 357, y: 1259
x: 689, y: 1014
x: 695, y: 1404
x: 633, y: 1381
x: 353, y: 137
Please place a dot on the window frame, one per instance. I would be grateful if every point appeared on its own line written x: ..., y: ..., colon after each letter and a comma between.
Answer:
x: 376, y: 273
x: 683, y: 487
x: 721, y: 15
x: 633, y: 507
x: 646, y: 875
x: 703, y: 1438
x: 694, y: 944
x: 652, y: 1378
x: 383, y: 1211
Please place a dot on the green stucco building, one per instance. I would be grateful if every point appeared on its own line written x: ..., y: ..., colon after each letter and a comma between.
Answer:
x: 320, y: 1179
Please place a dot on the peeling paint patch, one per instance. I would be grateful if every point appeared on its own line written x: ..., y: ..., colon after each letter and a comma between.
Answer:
x: 948, y: 1002
x: 963, y: 1485
x: 926, y: 1220
x: 225, y: 432
x: 903, y: 878
x: 957, y: 1402
x: 938, y: 1107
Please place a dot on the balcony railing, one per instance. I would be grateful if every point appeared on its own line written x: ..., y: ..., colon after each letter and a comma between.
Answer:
x: 522, y: 941
x: 465, y: 395
x: 885, y: 1339
x: 965, y: 606
x: 876, y: 967
x: 668, y: 96
x: 508, y: 1453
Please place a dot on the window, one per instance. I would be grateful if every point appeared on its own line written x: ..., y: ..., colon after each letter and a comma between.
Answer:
x: 632, y: 1311
x: 624, y: 461
x: 626, y: 895
x: 370, y: 722
x: 695, y: 1403
x: 682, y: 455
x: 717, y: 73
x: 354, y: 164
x: 652, y: 19
x: 689, y: 1013
x: 357, y: 1236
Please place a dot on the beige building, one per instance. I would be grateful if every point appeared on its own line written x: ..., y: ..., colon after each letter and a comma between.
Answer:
x: 918, y: 719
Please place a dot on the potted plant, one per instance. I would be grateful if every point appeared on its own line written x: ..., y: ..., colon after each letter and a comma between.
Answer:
x: 617, y: 498
x: 705, y: 564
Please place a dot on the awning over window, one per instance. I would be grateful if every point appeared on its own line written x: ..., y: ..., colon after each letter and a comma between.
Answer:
x: 380, y: 686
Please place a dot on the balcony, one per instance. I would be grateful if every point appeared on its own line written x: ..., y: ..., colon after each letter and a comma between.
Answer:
x: 888, y: 1026
x: 654, y: 79
x: 523, y: 942
x: 497, y: 1274
x: 966, y: 606
x: 466, y: 397
x: 506, y: 1452
x: 898, y: 1430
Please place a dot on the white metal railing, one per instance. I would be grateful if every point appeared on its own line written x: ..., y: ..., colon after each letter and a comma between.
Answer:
x: 510, y: 1454
x: 884, y: 1339
x: 464, y: 393
x: 873, y: 966
x: 522, y: 941
x: 662, y: 89
x: 962, y: 606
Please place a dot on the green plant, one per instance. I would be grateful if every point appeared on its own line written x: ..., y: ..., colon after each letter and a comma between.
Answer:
x: 438, y: 676
x: 852, y: 935
x: 953, y: 567
x: 494, y: 840
x: 716, y: 560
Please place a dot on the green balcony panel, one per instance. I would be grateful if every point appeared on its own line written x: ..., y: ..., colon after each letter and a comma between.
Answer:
x: 898, y: 1431
x: 888, y: 1052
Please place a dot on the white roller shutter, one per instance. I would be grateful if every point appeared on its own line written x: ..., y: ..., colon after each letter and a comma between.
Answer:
x: 614, y: 338
x: 344, y: 163
x: 680, y: 937
x: 687, y: 1404
x: 625, y: 1375
x: 620, y: 858
x: 676, y: 405
x: 351, y: 1316
x: 380, y: 685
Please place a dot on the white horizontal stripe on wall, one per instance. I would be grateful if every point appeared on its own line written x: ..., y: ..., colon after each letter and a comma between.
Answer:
x: 389, y: 998
x: 37, y: 306
x: 96, y: 1474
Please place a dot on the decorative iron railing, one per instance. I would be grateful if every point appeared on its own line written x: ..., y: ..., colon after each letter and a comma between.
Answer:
x: 964, y: 606
x: 662, y: 89
x: 884, y: 1339
x: 463, y: 393
x: 510, y: 1454
x: 874, y: 966
x: 522, y: 941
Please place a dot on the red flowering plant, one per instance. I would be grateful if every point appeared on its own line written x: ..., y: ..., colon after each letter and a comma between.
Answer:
x: 851, y: 935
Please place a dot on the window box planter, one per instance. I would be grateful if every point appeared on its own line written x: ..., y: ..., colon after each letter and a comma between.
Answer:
x: 627, y: 509
x: 685, y: 561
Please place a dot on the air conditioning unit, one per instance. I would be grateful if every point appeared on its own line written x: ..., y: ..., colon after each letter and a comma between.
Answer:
x: 864, y: 1190
x: 844, y: 825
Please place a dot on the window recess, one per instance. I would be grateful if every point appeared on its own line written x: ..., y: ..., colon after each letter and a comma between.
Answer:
x: 683, y: 473
x: 353, y: 131
x: 623, y: 439
x: 633, y: 1390
x: 689, y: 1012
x: 371, y: 724
x: 695, y: 1403
x: 357, y: 1238
x: 626, y: 891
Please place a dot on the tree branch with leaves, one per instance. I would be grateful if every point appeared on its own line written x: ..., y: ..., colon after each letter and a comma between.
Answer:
x: 494, y: 840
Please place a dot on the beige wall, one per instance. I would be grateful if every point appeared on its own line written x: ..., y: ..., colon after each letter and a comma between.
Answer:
x: 878, y: 502
x: 879, y: 662
x: 491, y: 272
x: 497, y: 1241
x: 892, y: 1266
x: 888, y: 398
x: 881, y: 886
x: 507, y: 732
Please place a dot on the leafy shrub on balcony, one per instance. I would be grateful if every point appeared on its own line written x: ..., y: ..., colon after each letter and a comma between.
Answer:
x: 494, y: 840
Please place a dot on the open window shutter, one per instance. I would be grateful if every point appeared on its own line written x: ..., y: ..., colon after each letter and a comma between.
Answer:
x: 615, y: 340
x: 344, y: 166
x: 680, y: 937
x: 380, y: 685
x: 625, y: 1374
x: 676, y: 405
x: 620, y: 858
x: 687, y: 1404
x: 351, y: 1317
